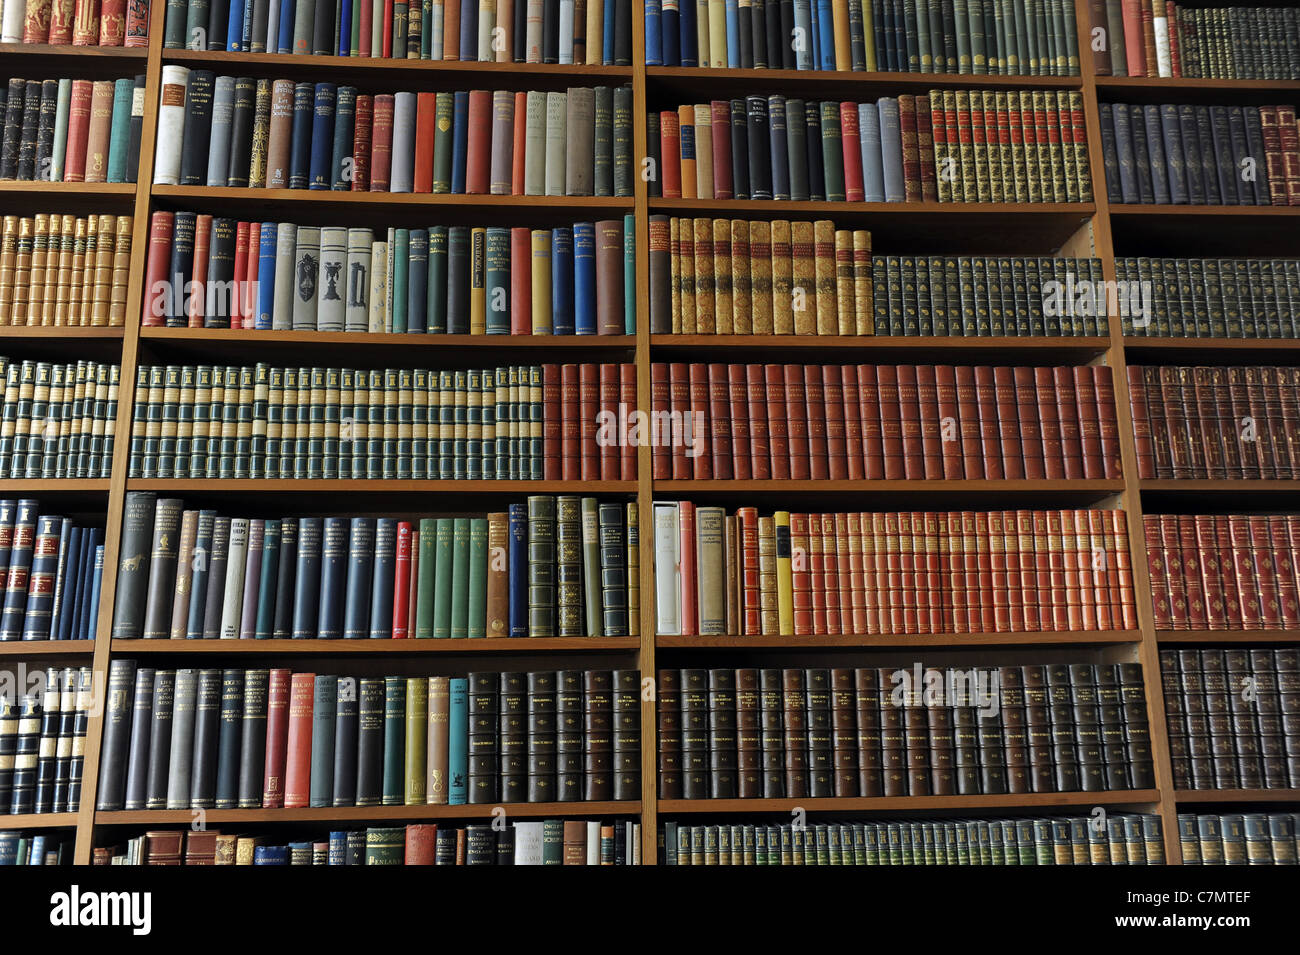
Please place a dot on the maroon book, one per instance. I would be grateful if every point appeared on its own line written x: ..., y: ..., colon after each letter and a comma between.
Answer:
x: 588, y: 408
x: 719, y: 422
x: 1085, y: 393
x: 660, y: 450
x: 909, y: 417
x: 1050, y: 422
x: 760, y: 442
x: 421, y: 841
x: 627, y: 456
x: 478, y: 152
x: 297, y: 777
x: 381, y: 146
x: 852, y: 422
x: 778, y: 425
x: 818, y: 412
x: 873, y: 445
x: 738, y: 403
x: 990, y: 434
x: 836, y: 441
x: 552, y: 425
x: 679, y: 391
x: 968, y: 423
x: 361, y: 139
x: 1031, y: 432
x: 277, y: 739
x: 1004, y: 398
x: 702, y: 463
x: 570, y: 424
x: 1068, y: 417
x: 607, y: 450
x: 891, y: 423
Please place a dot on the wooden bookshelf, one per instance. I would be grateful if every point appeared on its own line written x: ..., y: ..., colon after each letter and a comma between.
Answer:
x: 1096, y: 228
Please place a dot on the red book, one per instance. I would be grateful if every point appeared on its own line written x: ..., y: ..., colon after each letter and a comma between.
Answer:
x: 297, y: 777
x: 627, y: 458
x: 720, y: 127
x: 1082, y: 611
x: 1289, y: 137
x: 1160, y: 605
x: 1089, y: 416
x: 1043, y: 569
x: 521, y: 281
x: 519, y: 146
x: 738, y: 402
x: 1101, y: 545
x: 719, y: 422
x: 670, y: 154
x: 199, y: 276
x: 1245, y: 564
x: 686, y: 524
x: 927, y: 401
x: 796, y: 416
x: 277, y: 740
x: 60, y: 25
x: 873, y: 446
x: 1135, y: 57
x: 112, y: 22
x: 835, y: 537
x: 367, y: 29
x: 945, y: 387
x: 874, y: 556
x: 778, y: 424
x: 74, y: 168
x: 661, y: 438
x: 241, y: 267
x: 998, y: 570
x: 990, y: 436
x: 249, y: 288
x: 157, y: 283
x: 362, y: 136
x: 1283, y: 530
x: 1060, y: 543
x: 1050, y: 423
x: 425, y: 109
x: 1227, y: 576
x: 402, y: 581
x: 925, y: 140
x: 679, y: 396
x: 1175, y: 39
x: 588, y: 408
x: 387, y: 42
x: 818, y: 431
x: 909, y: 416
x: 751, y: 623
x: 1124, y: 565
x: 381, y: 145
x: 553, y: 438
x: 832, y: 385
x: 760, y: 441
x: 607, y: 448
x: 891, y: 422
x: 700, y: 425
x: 1193, y: 578
x: 1068, y: 418
x: 801, y: 574
x: 570, y: 424
x: 1026, y: 570
x: 450, y: 30
x: 852, y: 147
x: 817, y: 561
x: 1175, y: 579
x: 478, y: 157
x: 1008, y: 422
x: 968, y: 423
x: 421, y: 843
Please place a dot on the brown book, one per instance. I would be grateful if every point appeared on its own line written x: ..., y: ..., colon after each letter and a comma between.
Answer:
x: 552, y: 422
x: 498, y: 575
x: 163, y: 847
x: 719, y: 399
x: 845, y: 290
x: 925, y: 150
x: 608, y: 394
x: 763, y: 274
x: 279, y: 135
x: 1049, y: 419
x: 852, y: 422
x: 1068, y: 418
x: 738, y: 405
x: 1089, y: 422
x: 101, y: 123
x: 201, y: 848
x: 686, y: 268
x: 804, y: 286
x: 589, y: 399
x: 437, y: 783
x: 1008, y: 423
x: 699, y: 401
x: 891, y: 423
x: 818, y: 411
x: 1142, y: 433
x: 702, y: 248
x: 575, y: 842
x: 742, y: 320
x: 990, y: 436
x: 669, y: 710
x: 778, y: 422
x: 570, y: 423
x: 796, y: 420
x: 869, y: 413
x: 909, y: 415
x: 833, y: 423
x: 950, y: 447
x: 723, y: 319
x: 968, y: 424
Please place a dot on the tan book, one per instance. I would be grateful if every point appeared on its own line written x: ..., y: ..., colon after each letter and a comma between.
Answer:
x: 63, y: 289
x: 8, y: 255
x: 704, y: 150
x: 824, y: 275
x: 260, y: 143
x: 246, y: 849
x: 1079, y: 144
x: 761, y: 276
x: 227, y: 847
x: 769, y: 618
x: 803, y: 288
x: 742, y: 322
x: 86, y: 277
x: 863, y: 284
x: 845, y: 290
x: 782, y: 280
x: 23, y: 270
x: 103, y: 284
x: 36, y: 272
x: 704, y: 278
x: 723, y: 323
x: 53, y: 261
x: 686, y: 258
x: 946, y: 166
x: 121, y: 280
x: 76, y: 269
x: 279, y: 136
x: 675, y: 270
x: 498, y: 575
x: 101, y: 128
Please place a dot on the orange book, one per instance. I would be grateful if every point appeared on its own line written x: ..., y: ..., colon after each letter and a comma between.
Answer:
x: 199, y: 277
x: 520, y: 136
x: 801, y: 574
x: 297, y: 776
x: 686, y: 130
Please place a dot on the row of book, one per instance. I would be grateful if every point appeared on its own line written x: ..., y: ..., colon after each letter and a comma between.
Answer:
x: 890, y: 573
x: 278, y: 134
x: 1223, y: 571
x: 193, y: 574
x: 60, y: 270
x: 274, y: 739
x: 540, y: 842
x: 844, y: 733
x: 1122, y: 839
x: 1201, y: 155
x: 1002, y: 37
x: 36, y: 848
x: 1252, y: 838
x: 890, y: 422
x: 209, y: 271
x: 949, y: 146
x: 323, y: 423
x: 591, y: 32
x: 105, y: 23
x: 58, y: 420
x: 1231, y: 43
x: 51, y: 568
x: 71, y: 130
x: 1215, y: 422
x: 1233, y: 717
x: 43, y: 742
x: 1210, y: 298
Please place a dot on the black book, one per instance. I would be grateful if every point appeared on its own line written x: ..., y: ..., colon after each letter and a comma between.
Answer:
x: 13, y: 131
x: 118, y: 708
x: 739, y: 150
x: 27, y: 138
x: 757, y: 35
x: 198, y: 128
x: 45, y: 129
x: 229, y: 736
x: 218, y: 23
x: 306, y: 594
x: 137, y: 776
x: 241, y: 131
x: 160, y: 738
x: 345, y: 743
x: 782, y: 38
x: 520, y: 52
x: 796, y: 134
x: 9, y: 748
x: 304, y: 112
x: 136, y: 129
x: 221, y: 271
x: 1239, y: 148
x: 505, y: 846
x: 178, y: 271
x: 653, y: 149
x: 370, y: 742
x: 46, y: 761
x: 1141, y: 157
x: 323, y: 43
x: 813, y: 143
x: 216, y: 577
x: 550, y: 32
x: 760, y: 155
x: 458, y: 280
x: 1225, y: 162
x: 622, y: 34
x: 282, y: 627
x: 207, y: 728
x: 180, y: 761
x: 133, y: 565
x: 162, y: 568
x: 252, y: 748
x: 1255, y: 139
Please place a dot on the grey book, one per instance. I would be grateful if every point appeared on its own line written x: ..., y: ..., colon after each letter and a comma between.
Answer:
x: 180, y: 763
x: 223, y: 110
x: 356, y: 283
x: 580, y: 128
x: 286, y: 238
x: 891, y: 149
x: 402, y: 172
x: 873, y: 171
x: 306, y: 273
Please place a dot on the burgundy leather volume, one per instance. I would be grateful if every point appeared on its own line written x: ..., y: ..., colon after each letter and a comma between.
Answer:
x: 949, y: 443
x: 1067, y: 414
x: 699, y: 408
x: 778, y: 426
x: 927, y: 400
x: 627, y: 398
x: 760, y: 444
x: 852, y: 421
x: 873, y: 447
x: 588, y: 406
x: 891, y: 425
x: 738, y: 402
x: 608, y: 452
x: 552, y: 424
x: 1085, y: 393
x: 968, y: 423
x: 1004, y: 398
x: 796, y: 416
x: 679, y: 392
x: 909, y: 415
x: 1031, y: 432
x: 1050, y: 421
x: 990, y: 436
x: 660, y: 454
x: 719, y: 422
x: 836, y: 440
x: 570, y: 425
x: 817, y: 413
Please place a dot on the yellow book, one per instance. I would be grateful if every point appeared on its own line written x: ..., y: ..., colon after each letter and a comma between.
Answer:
x: 63, y: 272
x: 121, y: 272
x: 840, y: 25
x: 675, y: 283
x: 722, y: 277
x: 633, y: 570
x: 541, y: 282
x: 478, y: 281
x: 742, y: 322
x: 845, y: 291
x: 863, y: 292
x: 686, y: 249
x: 761, y: 276
x: 717, y: 45
x: 417, y: 729
x: 824, y: 270
x: 784, y: 574
x: 780, y: 315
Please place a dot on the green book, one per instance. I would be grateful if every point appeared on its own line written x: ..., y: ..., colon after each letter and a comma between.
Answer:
x: 436, y: 311
x: 629, y: 274
x: 269, y: 578
x: 442, y: 584
x: 401, y: 277
x: 553, y: 842
x: 417, y: 738
x: 424, y: 592
x: 832, y: 154
x: 460, y: 578
x: 591, y: 567
x: 120, y: 131
x: 394, y: 741
x: 385, y: 846
x: 477, y: 590
x: 442, y: 125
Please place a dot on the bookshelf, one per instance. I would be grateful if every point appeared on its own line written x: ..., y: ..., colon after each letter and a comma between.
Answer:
x: 1094, y: 229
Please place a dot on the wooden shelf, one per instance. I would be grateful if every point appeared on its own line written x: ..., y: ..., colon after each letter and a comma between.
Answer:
x: 1192, y: 212
x: 44, y: 50
x: 949, y: 347
x: 61, y: 333
x: 52, y: 487
x: 690, y: 80
x: 340, y: 814
x: 256, y: 486
x: 1229, y: 796
x: 1227, y: 636
x: 884, y: 494
x: 1212, y: 351
x: 1233, y: 486
x: 41, y: 820
x: 670, y: 807
x: 898, y: 641
x: 386, y: 648
x: 46, y: 648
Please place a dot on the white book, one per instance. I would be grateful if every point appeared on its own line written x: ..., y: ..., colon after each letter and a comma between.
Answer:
x: 11, y: 21
x: 286, y: 237
x: 593, y: 842
x: 306, y: 275
x: 378, y: 285
x: 668, y: 570
x: 171, y: 126
x: 61, y: 123
x: 566, y: 31
x: 1164, y: 64
x: 528, y: 843
x: 487, y: 21
x: 402, y: 169
x: 232, y: 603
x: 330, y: 306
x: 535, y: 145
x: 357, y: 284
x: 389, y: 286
x: 704, y: 150
x: 557, y: 141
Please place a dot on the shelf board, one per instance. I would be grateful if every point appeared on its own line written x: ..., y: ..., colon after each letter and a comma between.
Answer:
x: 46, y: 189
x: 898, y: 641
x: 388, y: 648
x: 536, y: 810
x: 1227, y: 636
x: 947, y: 346
x: 912, y: 803
x: 1163, y: 89
x: 1174, y: 83
x: 247, y: 486
x: 61, y: 332
x: 1192, y: 212
x: 1229, y: 796
x: 80, y: 53
x: 47, y: 487
x: 1215, y: 351
x: 41, y: 820
x: 46, y: 648
x: 1233, y: 486
x: 692, y: 79
x: 923, y: 495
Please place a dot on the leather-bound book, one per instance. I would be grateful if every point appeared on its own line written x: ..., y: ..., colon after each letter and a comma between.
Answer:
x: 723, y: 772
x: 821, y: 769
x: 626, y: 769
x: 161, y: 723
x: 570, y: 719
x: 484, y: 736
x: 1049, y: 417
x: 420, y: 844
x: 698, y: 405
x: 118, y: 714
x: 1071, y: 415
x: 1039, y: 729
x: 370, y: 742
x: 1031, y: 425
x: 670, y: 746
x: 795, y: 727
x: 749, y: 734
x: 696, y: 772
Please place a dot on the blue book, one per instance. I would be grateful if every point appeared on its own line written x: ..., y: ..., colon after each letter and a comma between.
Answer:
x: 803, y: 52
x: 35, y: 616
x: 779, y: 147
x: 284, y: 37
x: 459, y: 137
x: 80, y: 585
x: 417, y: 282
x: 361, y: 560
x: 497, y: 280
x: 199, y: 580
x: 686, y: 31
x: 300, y: 151
x: 654, y: 53
x: 338, y: 853
x: 38, y: 851
x: 584, y: 278
x: 326, y: 690
x: 468, y: 33
x: 458, y: 741
x: 345, y: 27
x: 9, y: 846
x: 67, y: 568
x: 235, y: 27
x: 345, y: 116
x: 271, y: 855
x: 670, y: 32
x: 228, y: 738
x: 518, y: 570
x: 333, y: 577
x: 381, y: 601
x: 607, y: 48
x: 891, y: 149
x: 873, y: 171
x: 733, y: 34
x: 629, y: 274
x: 815, y: 34
x: 264, y: 625
x: 322, y: 137
x: 88, y: 611
x: 826, y: 35
x: 306, y: 590
x: 562, y: 281
x: 265, y: 275
x: 246, y: 37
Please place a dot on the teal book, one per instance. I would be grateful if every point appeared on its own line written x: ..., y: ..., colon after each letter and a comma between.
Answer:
x: 424, y: 590
x: 629, y: 274
x: 553, y: 842
x: 443, y: 581
x: 394, y: 741
x: 267, y: 584
x: 458, y: 741
x: 477, y: 588
x: 436, y: 287
x: 400, y: 287
x: 120, y: 131
x: 322, y: 740
x: 385, y: 566
x: 497, y: 280
x: 460, y: 578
